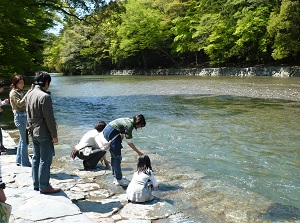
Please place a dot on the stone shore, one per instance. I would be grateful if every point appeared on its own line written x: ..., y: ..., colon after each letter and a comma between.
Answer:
x: 86, y: 196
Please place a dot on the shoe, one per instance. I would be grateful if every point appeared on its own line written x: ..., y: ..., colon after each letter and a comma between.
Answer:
x: 87, y: 166
x: 18, y: 164
x: 36, y: 188
x: 122, y: 182
x: 2, y: 149
x: 50, y: 190
x: 90, y: 168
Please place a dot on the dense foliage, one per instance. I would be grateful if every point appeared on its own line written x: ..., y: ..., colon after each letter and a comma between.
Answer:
x: 23, y: 33
x: 146, y: 34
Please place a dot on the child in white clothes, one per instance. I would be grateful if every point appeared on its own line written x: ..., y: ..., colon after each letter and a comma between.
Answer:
x: 143, y: 182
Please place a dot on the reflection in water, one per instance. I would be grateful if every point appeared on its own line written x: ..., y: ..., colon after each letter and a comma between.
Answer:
x: 221, y: 135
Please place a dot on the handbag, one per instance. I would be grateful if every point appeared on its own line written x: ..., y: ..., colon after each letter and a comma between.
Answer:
x: 103, y: 143
x: 5, y: 211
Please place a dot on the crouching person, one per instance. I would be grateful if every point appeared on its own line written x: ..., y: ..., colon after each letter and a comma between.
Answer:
x: 143, y: 182
x: 89, y: 150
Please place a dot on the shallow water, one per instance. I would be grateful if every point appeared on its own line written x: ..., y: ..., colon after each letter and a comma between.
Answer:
x: 223, y: 135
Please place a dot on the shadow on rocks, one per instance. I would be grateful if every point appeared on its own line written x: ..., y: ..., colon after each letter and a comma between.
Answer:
x: 98, y: 207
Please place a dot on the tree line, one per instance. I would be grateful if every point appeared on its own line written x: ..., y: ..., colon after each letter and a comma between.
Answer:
x: 151, y: 34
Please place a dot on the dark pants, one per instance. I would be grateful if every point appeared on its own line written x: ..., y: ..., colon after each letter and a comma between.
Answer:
x: 1, y: 138
x: 92, y: 160
x: 115, y: 151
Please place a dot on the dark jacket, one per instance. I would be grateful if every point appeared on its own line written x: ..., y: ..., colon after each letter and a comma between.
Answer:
x: 40, y: 116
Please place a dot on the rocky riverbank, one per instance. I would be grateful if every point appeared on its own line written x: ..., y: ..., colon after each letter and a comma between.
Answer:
x: 274, y: 71
x: 86, y: 196
x: 185, y: 195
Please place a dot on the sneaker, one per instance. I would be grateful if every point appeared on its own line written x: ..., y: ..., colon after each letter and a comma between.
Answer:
x: 122, y: 182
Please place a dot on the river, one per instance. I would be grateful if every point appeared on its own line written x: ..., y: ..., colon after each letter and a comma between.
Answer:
x: 236, y: 140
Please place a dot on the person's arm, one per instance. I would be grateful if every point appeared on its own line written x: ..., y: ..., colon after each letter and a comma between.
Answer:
x: 48, y: 116
x: 17, y: 99
x: 4, y: 102
x: 106, y: 162
x: 132, y: 146
x: 153, y: 180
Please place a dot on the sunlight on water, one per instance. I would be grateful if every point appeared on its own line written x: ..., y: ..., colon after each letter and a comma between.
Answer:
x: 220, y: 128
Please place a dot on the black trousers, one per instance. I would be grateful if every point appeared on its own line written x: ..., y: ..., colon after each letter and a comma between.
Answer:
x: 91, y: 160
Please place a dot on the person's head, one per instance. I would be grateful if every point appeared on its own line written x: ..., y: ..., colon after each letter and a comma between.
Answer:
x: 144, y: 164
x: 139, y: 121
x: 100, y: 126
x: 42, y: 78
x: 17, y: 82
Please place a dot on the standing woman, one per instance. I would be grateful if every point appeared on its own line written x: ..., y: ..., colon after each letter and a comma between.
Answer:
x: 18, y: 104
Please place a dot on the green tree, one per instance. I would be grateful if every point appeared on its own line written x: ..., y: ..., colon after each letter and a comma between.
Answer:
x: 252, y: 40
x: 24, y: 26
x: 144, y: 29
x: 194, y: 27
x: 284, y: 28
x: 21, y: 36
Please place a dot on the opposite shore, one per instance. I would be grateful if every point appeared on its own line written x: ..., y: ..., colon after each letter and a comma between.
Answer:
x: 273, y: 71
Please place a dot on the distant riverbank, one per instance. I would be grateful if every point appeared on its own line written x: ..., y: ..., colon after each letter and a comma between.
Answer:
x: 274, y: 71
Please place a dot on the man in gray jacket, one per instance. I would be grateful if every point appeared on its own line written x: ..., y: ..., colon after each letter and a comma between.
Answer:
x: 42, y: 128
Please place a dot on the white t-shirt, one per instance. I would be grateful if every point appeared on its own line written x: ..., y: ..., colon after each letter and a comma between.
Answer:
x: 89, y: 139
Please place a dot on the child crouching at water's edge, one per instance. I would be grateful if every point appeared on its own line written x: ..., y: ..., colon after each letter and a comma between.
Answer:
x: 143, y: 182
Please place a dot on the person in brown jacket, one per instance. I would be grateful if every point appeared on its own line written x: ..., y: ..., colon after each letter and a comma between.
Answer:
x: 18, y: 104
x: 42, y: 127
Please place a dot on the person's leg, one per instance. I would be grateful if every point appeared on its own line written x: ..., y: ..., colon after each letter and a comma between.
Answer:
x: 116, y: 165
x: 116, y: 157
x: 17, y: 124
x: 115, y: 151
x: 1, y: 139
x: 35, y: 163
x: 47, y: 150
x: 94, y: 159
x: 23, y: 144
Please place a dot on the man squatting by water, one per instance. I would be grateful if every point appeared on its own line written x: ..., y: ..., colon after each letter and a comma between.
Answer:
x: 88, y: 148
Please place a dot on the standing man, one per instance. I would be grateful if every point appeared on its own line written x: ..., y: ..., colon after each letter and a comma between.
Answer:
x: 42, y: 127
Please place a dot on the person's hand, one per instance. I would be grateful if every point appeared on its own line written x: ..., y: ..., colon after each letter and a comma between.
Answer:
x: 6, y: 101
x: 74, y: 153
x: 55, y: 140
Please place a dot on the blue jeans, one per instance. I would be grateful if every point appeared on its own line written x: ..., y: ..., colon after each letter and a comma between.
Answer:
x: 116, y: 165
x: 115, y: 151
x: 43, y: 151
x: 20, y: 120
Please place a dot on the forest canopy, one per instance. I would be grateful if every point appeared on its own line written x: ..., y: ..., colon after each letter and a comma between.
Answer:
x: 146, y: 34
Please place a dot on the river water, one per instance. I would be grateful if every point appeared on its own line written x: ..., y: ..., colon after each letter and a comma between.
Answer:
x: 233, y: 143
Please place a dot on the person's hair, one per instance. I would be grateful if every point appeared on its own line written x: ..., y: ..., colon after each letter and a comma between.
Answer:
x: 15, y: 81
x: 139, y: 120
x: 100, y: 126
x: 144, y: 164
x: 41, y: 77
